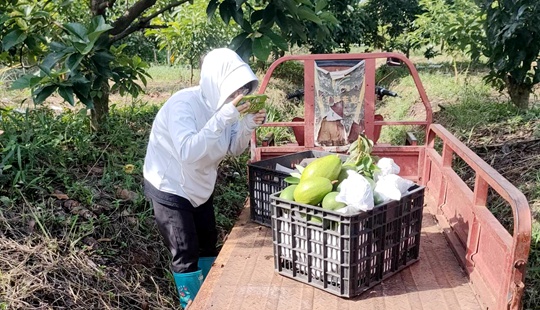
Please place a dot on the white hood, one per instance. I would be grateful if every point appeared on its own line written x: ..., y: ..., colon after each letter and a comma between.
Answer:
x: 222, y: 73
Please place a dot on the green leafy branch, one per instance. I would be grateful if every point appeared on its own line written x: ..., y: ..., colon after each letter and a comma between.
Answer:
x: 360, y: 157
x: 80, y: 62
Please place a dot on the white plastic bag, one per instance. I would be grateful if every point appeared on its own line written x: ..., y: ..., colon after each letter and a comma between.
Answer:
x: 356, y: 192
x: 402, y: 184
x: 386, y: 166
x: 386, y: 191
x: 392, y: 187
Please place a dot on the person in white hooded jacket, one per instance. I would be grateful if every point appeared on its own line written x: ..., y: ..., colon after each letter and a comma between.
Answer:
x: 193, y: 131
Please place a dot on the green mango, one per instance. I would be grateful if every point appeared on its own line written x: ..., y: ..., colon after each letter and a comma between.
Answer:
x: 328, y: 167
x: 288, y: 192
x: 329, y: 202
x: 312, y: 191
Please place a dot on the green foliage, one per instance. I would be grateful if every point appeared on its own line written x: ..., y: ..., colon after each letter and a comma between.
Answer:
x: 272, y: 25
x: 291, y: 71
x: 79, y: 59
x: 391, y: 21
x: 475, y: 110
x: 360, y: 157
x: 41, y: 152
x: 231, y: 190
x: 456, y: 27
x: 281, y: 134
x: 60, y: 152
x: 80, y: 63
x: 189, y: 33
x: 145, y: 47
x: 513, y: 46
x: 126, y: 72
x: 24, y: 27
x: 351, y: 30
x: 39, y: 148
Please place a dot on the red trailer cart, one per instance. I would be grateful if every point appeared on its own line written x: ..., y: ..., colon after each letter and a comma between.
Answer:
x: 492, y: 258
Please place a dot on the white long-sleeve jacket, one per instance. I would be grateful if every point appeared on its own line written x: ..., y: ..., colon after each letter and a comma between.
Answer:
x: 197, y: 127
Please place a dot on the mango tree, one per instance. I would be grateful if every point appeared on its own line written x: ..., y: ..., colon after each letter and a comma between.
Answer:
x: 189, y: 33
x: 267, y: 25
x: 513, y: 47
x: 455, y: 28
x: 80, y: 61
x: 391, y: 21
x: 352, y: 27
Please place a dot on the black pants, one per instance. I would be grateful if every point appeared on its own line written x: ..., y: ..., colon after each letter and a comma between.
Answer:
x: 188, y: 232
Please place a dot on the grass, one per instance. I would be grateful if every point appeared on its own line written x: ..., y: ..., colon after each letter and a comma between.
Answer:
x: 70, y: 204
x: 72, y: 200
x: 164, y: 73
x: 287, y: 78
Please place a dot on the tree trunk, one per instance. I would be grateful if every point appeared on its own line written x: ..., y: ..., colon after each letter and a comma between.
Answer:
x: 408, y: 50
x: 100, y: 111
x: 101, y: 106
x: 454, y: 61
x: 519, y: 93
x: 191, y: 63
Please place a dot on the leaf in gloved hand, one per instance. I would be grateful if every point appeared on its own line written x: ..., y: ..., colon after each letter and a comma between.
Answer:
x: 256, y: 102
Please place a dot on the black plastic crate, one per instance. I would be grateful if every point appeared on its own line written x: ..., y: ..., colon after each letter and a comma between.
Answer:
x: 346, y: 254
x: 265, y: 180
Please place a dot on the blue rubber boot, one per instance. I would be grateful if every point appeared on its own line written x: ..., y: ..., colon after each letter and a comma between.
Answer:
x: 188, y: 285
x: 205, y: 263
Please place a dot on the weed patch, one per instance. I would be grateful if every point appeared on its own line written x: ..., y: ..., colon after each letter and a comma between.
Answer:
x: 74, y: 225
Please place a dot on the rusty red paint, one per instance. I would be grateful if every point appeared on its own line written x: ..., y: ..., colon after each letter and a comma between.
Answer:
x: 372, y: 123
x: 494, y: 274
